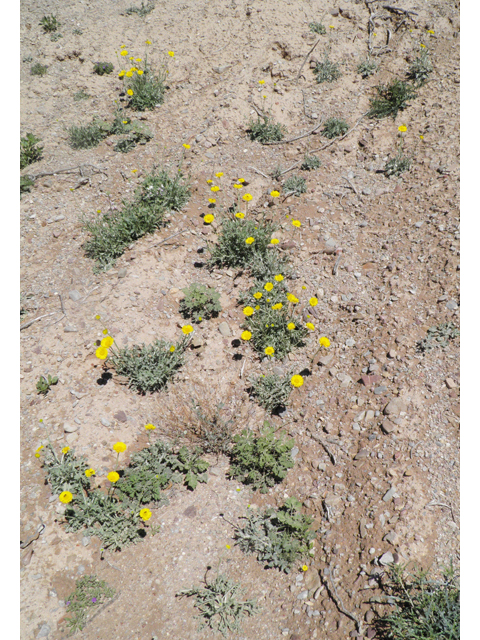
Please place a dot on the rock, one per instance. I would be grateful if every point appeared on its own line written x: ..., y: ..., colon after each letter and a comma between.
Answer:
x: 105, y: 422
x: 71, y: 437
x: 294, y: 452
x: 369, y: 616
x: 369, y: 415
x: 288, y: 244
x: 85, y: 541
x: 392, y: 353
x: 303, y: 595
x: 395, y: 407
x: 346, y: 381
x: 69, y: 329
x: 387, y: 558
x: 379, y: 390
x: 452, y: 305
x: 360, y: 416
x: 121, y: 416
x: 74, y: 295
x: 320, y: 293
x: 224, y: 329
x: 350, y: 342
x: 122, y: 272
x: 70, y: 428
x: 191, y: 511
x: 450, y: 383
x: 388, y: 426
x: 390, y: 494
x: 369, y: 380
x: 326, y: 360
x: 196, y: 342
x: 362, y: 528
x: 391, y: 537
x: 366, y: 191
x: 44, y: 631
x: 312, y: 580
x: 371, y: 633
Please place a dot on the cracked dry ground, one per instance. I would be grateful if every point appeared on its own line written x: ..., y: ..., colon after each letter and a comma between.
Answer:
x: 374, y: 483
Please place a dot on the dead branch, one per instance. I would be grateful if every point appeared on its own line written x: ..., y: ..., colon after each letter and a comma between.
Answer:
x: 304, y: 135
x: 30, y: 322
x: 305, y: 59
x: 258, y: 171
x: 332, y: 591
x: 78, y: 168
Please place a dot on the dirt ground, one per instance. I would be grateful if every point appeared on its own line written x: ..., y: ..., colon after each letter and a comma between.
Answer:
x: 381, y: 254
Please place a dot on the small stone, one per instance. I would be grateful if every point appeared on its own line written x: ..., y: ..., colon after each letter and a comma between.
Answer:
x: 452, y: 305
x: 369, y: 616
x: 362, y: 528
x: 369, y: 415
x: 388, y: 426
x: 70, y: 428
x: 419, y: 224
x: 378, y: 391
x: 322, y: 466
x: 395, y: 407
x: 191, y: 511
x: 224, y: 329
x: 105, y: 422
x: 81, y: 569
x: 363, y: 453
x: 74, y: 295
x: 44, y: 631
x: 346, y: 382
x: 350, y: 342
x: 326, y: 360
x: 70, y: 329
x: 392, y: 353
x: 85, y: 541
x: 121, y: 416
x: 366, y: 191
x: 371, y: 551
x: 360, y: 416
x: 294, y: 452
x: 196, y: 342
x: 390, y: 494
x: 387, y: 558
x: 71, y: 437
x: 371, y: 633
x: 303, y: 595
x: 391, y: 537
x: 122, y: 272
x: 312, y: 580
x: 450, y: 383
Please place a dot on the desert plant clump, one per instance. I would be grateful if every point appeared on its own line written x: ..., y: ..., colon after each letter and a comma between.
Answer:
x: 391, y: 99
x: 149, y: 368
x: 261, y: 461
x: 295, y: 185
x: 397, y: 165
x: 110, y: 234
x: 55, y: 37
x: 148, y: 89
x: 327, y: 71
x: 424, y: 608
x: 143, y: 10
x: 420, y: 69
x: 49, y: 24
x: 264, y: 129
x: 26, y: 183
x: 438, y: 336
x: 219, y: 604
x: 200, y: 302
x: 65, y: 472
x: 88, y: 136
x: 90, y: 593
x: 44, y: 384
x: 235, y: 246
x: 38, y: 69
x: 317, y: 27
x: 334, y: 127
x: 367, y: 68
x: 102, y: 68
x: 310, y: 162
x: 30, y: 150
x: 77, y: 32
x: 271, y: 391
x: 81, y: 95
x: 278, y: 538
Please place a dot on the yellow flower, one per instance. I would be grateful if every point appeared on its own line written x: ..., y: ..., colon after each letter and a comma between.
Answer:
x: 313, y: 302
x: 431, y: 31
x: 250, y: 240
x: 208, y: 218
x: 257, y: 307
x: 89, y: 472
x: 219, y: 174
x: 130, y: 92
x: 331, y: 27
x: 171, y: 54
x: 140, y: 72
x: 209, y: 181
x: 241, y: 180
x: 240, y: 215
x: 172, y: 349
x: 292, y: 298
x: 113, y: 477
x: 248, y: 311
x: 238, y: 186
x: 130, y: 58
x: 310, y: 326
x: 129, y: 74
x: 274, y: 241
x: 274, y: 194
x: 279, y: 277
x: 125, y: 121
x: 268, y: 286
x: 65, y: 497
x: 214, y: 188
x: 65, y: 450
x: 257, y: 295
x: 145, y: 514
x: 246, y: 335
x: 296, y: 223
x: 147, y: 42
x: 402, y: 128
x: 421, y: 137
x: 107, y: 342
x: 138, y: 59
x: 290, y: 326
x: 303, y: 286
x: 124, y: 53
x: 187, y: 146
x: 212, y: 200
x: 120, y: 447
x: 423, y: 46
x: 187, y: 329
x: 121, y: 74
x: 261, y: 82
x: 304, y: 568
x: 297, y: 381
x: 269, y: 351
x: 227, y: 546
x: 247, y: 197
x: 277, y: 307
x: 324, y: 342
x: 101, y: 352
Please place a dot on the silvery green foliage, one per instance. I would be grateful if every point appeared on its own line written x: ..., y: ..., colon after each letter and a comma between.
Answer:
x: 200, y: 302
x: 232, y: 249
x: 295, y: 185
x: 334, y: 127
x: 438, y: 336
x: 327, y: 71
x: 397, y: 165
x: 65, y: 472
x: 420, y: 69
x: 271, y: 391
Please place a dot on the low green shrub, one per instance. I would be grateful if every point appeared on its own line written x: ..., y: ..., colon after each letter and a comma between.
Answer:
x: 200, y: 302
x: 30, y: 150
x: 310, y: 162
x: 49, y: 24
x: 44, y: 384
x: 367, y: 68
x: 397, y: 165
x: 264, y: 129
x: 295, y: 185
x: 26, y: 182
x: 82, y: 604
x: 81, y: 95
x: 334, y: 127
x: 38, y: 69
x: 65, y: 472
x: 233, y: 250
x: 438, y: 336
x: 278, y: 538
x: 88, y: 136
x: 148, y: 89
x: 271, y: 391
x: 420, y: 69
x: 102, y: 68
x: 143, y: 10
x: 391, y: 99
x: 327, y: 71
x: 55, y: 37
x: 317, y: 27
x: 261, y: 461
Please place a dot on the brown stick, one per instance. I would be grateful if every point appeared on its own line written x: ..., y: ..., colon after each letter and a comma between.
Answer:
x: 304, y: 135
x: 303, y: 63
x: 30, y: 322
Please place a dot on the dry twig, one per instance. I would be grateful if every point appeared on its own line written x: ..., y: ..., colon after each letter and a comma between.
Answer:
x: 332, y: 591
x: 304, y: 61
x: 30, y: 322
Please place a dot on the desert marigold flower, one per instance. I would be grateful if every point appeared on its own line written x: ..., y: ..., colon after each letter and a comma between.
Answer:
x: 250, y: 240
x: 129, y: 74
x: 120, y: 447
x: 291, y: 298
x: 101, y: 353
x: 227, y: 546
x: 304, y: 568
x: 246, y: 335
x: 209, y: 181
x: 257, y: 307
x: 423, y: 46
x: 274, y: 241
x: 241, y: 180
x: 296, y: 223
x: 187, y: 329
x: 172, y: 349
x: 313, y: 302
x: 107, y: 342
x: 310, y: 326
x: 130, y: 92
x: 121, y: 74
x: 402, y: 128
x: 65, y: 497
x: 240, y: 215
x: 89, y: 472
x: 208, y: 218
x: 258, y: 295
x: 247, y: 197
x: 431, y: 31
x: 125, y: 121
x: 65, y: 450
x: 274, y: 194
x: 296, y: 380
x: 324, y: 342
x: 290, y: 326
x: 105, y: 331
x: 279, y: 277
x: 187, y: 146
x: 145, y: 514
x: 130, y: 58
x: 147, y: 42
x: 171, y: 54
x: 124, y: 53
x: 113, y: 476
x: 219, y: 174
x: 215, y: 188
x: 238, y: 186
x: 138, y: 59
x: 277, y: 307
x: 248, y: 311
x: 261, y: 82
x: 268, y: 286
x: 269, y: 351
x: 149, y: 427
x: 140, y: 72
x: 212, y: 200
x: 421, y: 137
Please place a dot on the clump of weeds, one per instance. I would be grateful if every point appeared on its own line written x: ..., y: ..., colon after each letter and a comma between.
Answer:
x: 391, y: 99
x: 334, y: 127
x: 81, y: 95
x: 102, y: 68
x: 367, y: 68
x: 44, y: 384
x: 271, y: 391
x: 143, y: 10
x: 327, y: 71
x: 317, y: 27
x: 30, y: 150
x: 89, y: 594
x: 397, y: 165
x: 87, y: 136
x: 295, y: 185
x: 420, y: 69
x: 200, y: 302
x: 438, y: 336
x: 264, y: 129
x: 310, y: 162
x: 49, y: 24
x: 38, y: 69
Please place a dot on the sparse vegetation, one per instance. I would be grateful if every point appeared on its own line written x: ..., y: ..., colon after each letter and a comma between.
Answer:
x: 397, y: 165
x: 367, y: 68
x: 26, y: 183
x: 264, y: 129
x: 38, y: 69
x: 30, y: 150
x: 334, y: 127
x: 295, y: 185
x: 310, y: 162
x: 327, y: 71
x: 391, y: 99
x: 90, y: 593
x: 102, y: 68
x: 88, y: 136
x: 49, y: 24
x: 44, y: 384
x: 271, y: 391
x: 143, y: 10
x: 317, y: 27
x: 148, y: 89
x: 420, y: 69
x: 55, y: 37
x: 438, y: 336
x: 81, y: 95
x: 200, y: 302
